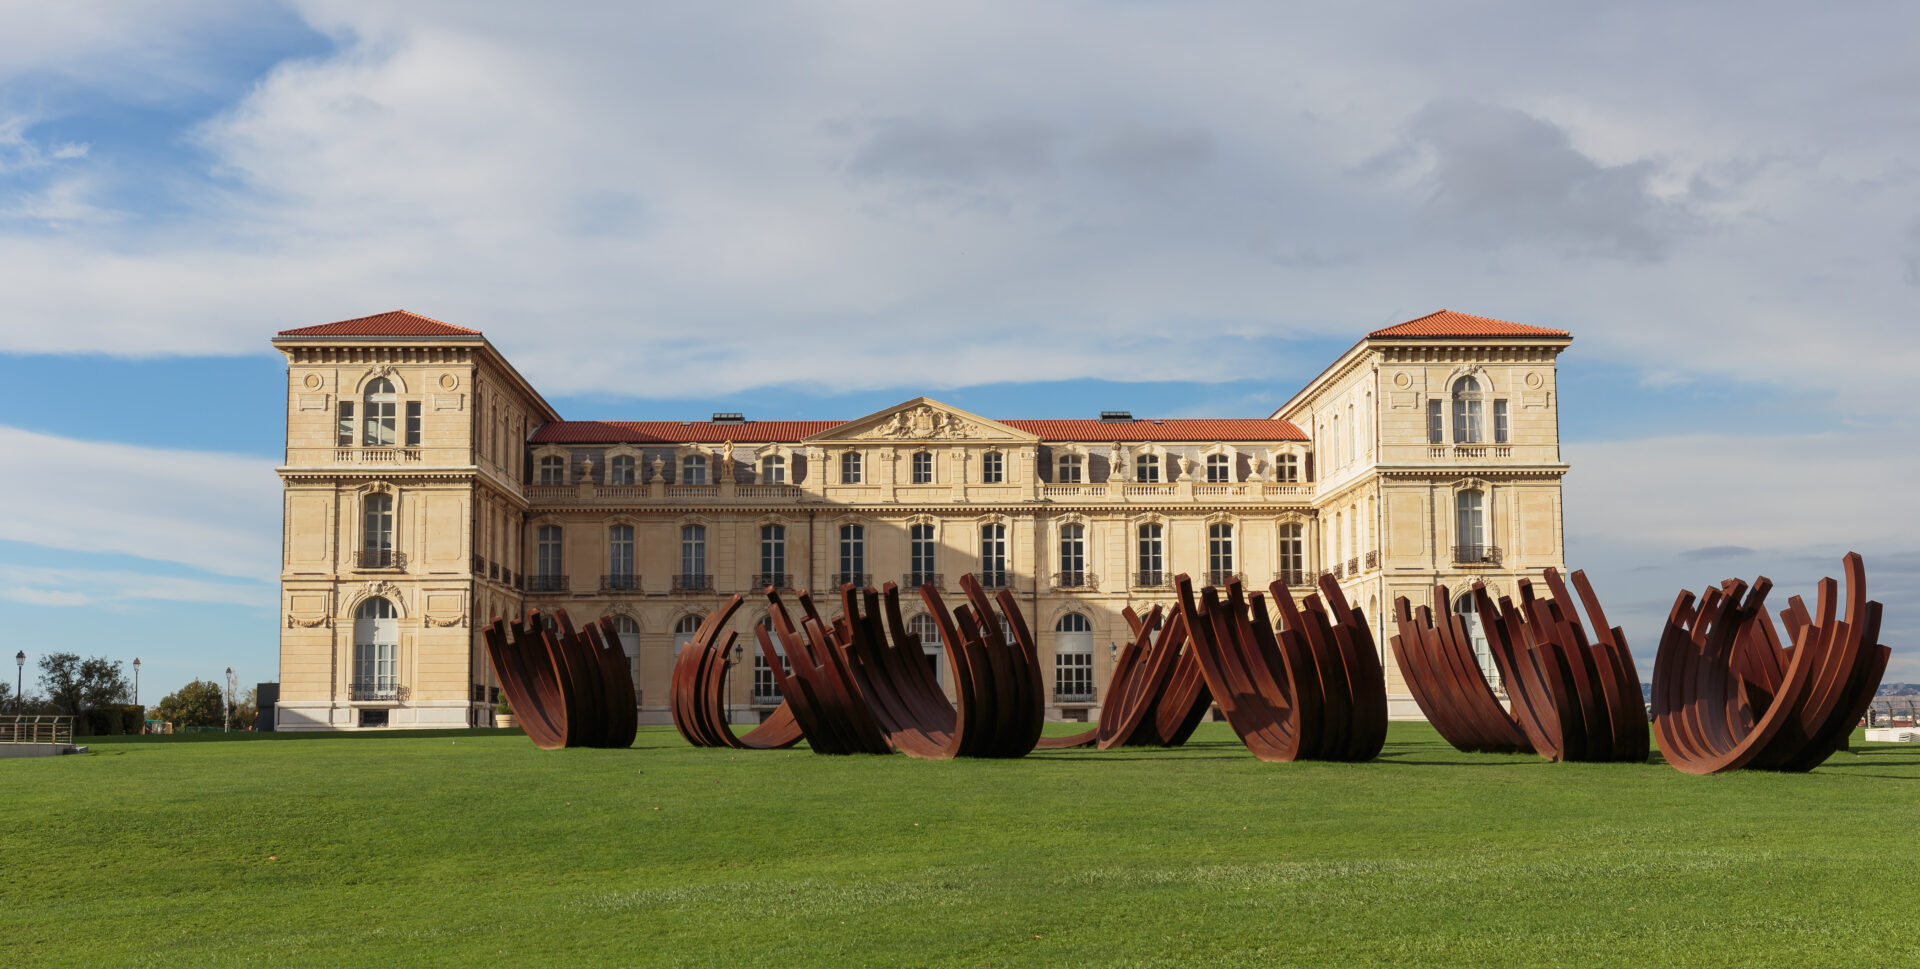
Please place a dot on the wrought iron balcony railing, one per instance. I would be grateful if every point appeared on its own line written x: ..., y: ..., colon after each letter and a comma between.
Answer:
x: 914, y: 580
x: 693, y: 582
x: 773, y: 699
x: 857, y: 579
x: 1295, y: 578
x: 479, y: 565
x: 1353, y: 565
x: 1476, y: 555
x: 379, y: 558
x: 776, y: 580
x: 1075, y: 580
x: 1064, y: 697
x: 620, y: 582
x: 1150, y: 580
x: 993, y: 580
x: 546, y: 583
x: 378, y: 689
x: 1216, y: 577
x: 1373, y: 559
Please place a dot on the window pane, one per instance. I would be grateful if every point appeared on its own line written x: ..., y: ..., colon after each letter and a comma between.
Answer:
x: 413, y: 423
x: 693, y: 550
x: 1436, y: 429
x: 345, y: 436
x: 992, y: 468
x: 773, y: 550
x: 1499, y: 422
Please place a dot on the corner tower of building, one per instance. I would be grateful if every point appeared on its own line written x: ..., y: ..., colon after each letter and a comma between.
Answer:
x: 404, y: 452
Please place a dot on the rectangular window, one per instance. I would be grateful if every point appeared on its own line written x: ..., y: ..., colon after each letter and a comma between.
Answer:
x: 773, y: 469
x: 850, y: 468
x: 548, y: 561
x: 1436, y: 422
x: 921, y: 555
x: 1466, y: 419
x: 379, y: 424
x: 1499, y: 422
x: 693, y: 469
x: 1152, y: 555
x: 993, y: 468
x: 1071, y: 469
x: 345, y: 436
x: 922, y: 467
x: 1146, y: 469
x: 413, y: 423
x: 1293, y: 555
x: 1219, y: 468
x: 773, y: 553
x: 620, y: 551
x: 993, y: 556
x: 1286, y: 467
x: 1073, y: 553
x: 693, y: 551
x: 853, y: 552
x: 553, y: 470
x: 766, y: 689
x: 376, y: 670
x: 1219, y: 552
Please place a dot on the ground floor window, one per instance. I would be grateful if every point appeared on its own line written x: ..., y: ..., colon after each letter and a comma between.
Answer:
x: 373, y: 718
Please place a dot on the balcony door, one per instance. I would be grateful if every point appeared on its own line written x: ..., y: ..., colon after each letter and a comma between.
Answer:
x: 376, y: 650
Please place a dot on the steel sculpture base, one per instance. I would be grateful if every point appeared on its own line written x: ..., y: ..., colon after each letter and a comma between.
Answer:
x: 1312, y: 691
x: 568, y: 688
x: 1728, y: 696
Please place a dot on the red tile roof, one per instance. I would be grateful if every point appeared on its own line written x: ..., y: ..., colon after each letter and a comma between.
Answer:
x: 393, y: 323
x: 768, y: 432
x: 1447, y: 323
x: 1172, y: 429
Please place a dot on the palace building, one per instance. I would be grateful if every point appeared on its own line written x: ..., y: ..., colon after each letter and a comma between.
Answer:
x: 430, y: 488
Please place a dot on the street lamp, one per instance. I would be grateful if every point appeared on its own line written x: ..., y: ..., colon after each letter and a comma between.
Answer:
x: 136, y: 681
x: 20, y: 674
x: 226, y: 708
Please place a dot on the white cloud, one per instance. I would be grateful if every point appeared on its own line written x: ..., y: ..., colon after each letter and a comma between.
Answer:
x: 879, y: 195
x: 111, y: 588
x: 218, y: 513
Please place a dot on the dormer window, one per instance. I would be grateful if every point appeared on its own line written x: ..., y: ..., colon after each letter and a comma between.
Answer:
x: 621, y: 470
x: 773, y: 469
x: 553, y: 470
x: 1146, y: 468
x: 1072, y: 469
x: 1219, y: 468
x: 922, y: 467
x: 379, y: 423
x: 693, y: 469
x: 1286, y: 467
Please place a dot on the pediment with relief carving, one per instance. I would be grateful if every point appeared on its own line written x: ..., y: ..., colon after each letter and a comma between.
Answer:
x: 923, y: 419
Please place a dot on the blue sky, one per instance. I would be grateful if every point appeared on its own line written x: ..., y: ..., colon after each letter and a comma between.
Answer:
x: 659, y: 212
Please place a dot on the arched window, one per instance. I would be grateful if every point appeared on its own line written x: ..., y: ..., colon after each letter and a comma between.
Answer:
x: 850, y: 469
x: 993, y: 555
x: 1353, y: 436
x: 380, y: 413
x: 1286, y: 467
x: 1073, y: 470
x: 923, y: 467
x: 1466, y: 411
x: 684, y: 630
x: 1219, y: 553
x: 927, y: 631
x: 693, y: 557
x: 1151, y: 564
x: 1333, y: 443
x: 620, y: 557
x: 1470, y: 618
x: 920, y: 555
x: 629, y: 635
x: 1073, y: 659
x: 693, y: 469
x: 993, y: 468
x: 1073, y: 555
x: 1219, y: 468
x: 1470, y: 526
x: 773, y: 469
x: 853, y: 555
x: 377, y: 533
x: 1293, y: 554
x: 553, y: 470
x: 621, y: 470
x: 1146, y: 468
x: 376, y: 650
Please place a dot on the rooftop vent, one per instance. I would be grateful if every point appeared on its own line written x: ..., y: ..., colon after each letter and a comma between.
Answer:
x: 1116, y: 415
x: 729, y: 417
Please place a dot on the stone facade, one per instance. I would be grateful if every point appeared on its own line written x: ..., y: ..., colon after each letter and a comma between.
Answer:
x: 449, y: 492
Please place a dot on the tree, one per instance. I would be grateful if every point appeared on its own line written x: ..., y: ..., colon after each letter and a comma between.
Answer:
x: 75, y: 686
x: 198, y: 704
x: 247, y: 710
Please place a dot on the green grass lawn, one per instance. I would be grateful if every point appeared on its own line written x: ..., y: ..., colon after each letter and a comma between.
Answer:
x: 475, y: 849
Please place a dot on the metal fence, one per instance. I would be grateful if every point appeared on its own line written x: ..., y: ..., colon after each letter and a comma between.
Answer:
x: 36, y: 729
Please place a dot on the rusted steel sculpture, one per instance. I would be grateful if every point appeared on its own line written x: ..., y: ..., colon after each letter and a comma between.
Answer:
x: 1156, y: 696
x: 1573, y: 698
x: 863, y: 684
x: 698, y: 694
x: 1727, y: 695
x: 569, y: 688
x: 1313, y: 691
